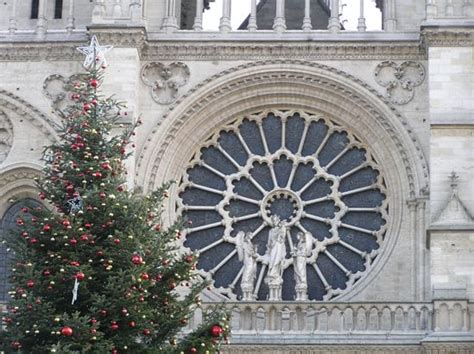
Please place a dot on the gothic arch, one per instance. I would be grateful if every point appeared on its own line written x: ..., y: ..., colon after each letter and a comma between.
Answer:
x: 18, y: 182
x: 285, y: 85
x: 27, y: 111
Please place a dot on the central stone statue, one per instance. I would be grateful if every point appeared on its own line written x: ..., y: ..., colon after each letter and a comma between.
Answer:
x: 275, y: 256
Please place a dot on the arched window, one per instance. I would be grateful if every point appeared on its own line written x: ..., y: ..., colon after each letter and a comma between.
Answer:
x: 7, y: 224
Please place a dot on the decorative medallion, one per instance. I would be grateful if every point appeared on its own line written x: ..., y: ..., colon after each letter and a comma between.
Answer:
x: 165, y: 80
x: 284, y: 205
x: 56, y: 87
x: 399, y: 80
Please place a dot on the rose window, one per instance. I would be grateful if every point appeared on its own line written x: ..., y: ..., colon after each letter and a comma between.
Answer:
x: 284, y: 205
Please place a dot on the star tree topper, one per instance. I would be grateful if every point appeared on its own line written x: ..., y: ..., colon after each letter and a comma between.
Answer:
x: 94, y: 53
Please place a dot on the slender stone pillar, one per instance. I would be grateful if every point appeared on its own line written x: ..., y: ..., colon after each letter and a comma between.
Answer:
x: 252, y: 26
x: 307, y: 17
x: 13, y: 26
x: 334, y: 23
x: 225, y: 24
x: 279, y: 23
x: 361, y: 26
x: 170, y: 23
x: 70, y: 18
x: 42, y: 23
x: 198, y: 19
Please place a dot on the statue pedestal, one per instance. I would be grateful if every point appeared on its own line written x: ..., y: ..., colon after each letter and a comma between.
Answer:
x: 274, y: 292
x: 301, y: 293
x: 248, y: 295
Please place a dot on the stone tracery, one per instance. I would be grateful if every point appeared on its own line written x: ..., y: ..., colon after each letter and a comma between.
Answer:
x: 302, y: 168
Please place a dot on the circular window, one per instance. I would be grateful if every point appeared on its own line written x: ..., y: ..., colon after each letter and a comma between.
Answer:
x: 284, y: 205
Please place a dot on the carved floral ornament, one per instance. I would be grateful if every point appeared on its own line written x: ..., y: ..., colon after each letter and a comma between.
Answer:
x: 165, y: 80
x: 399, y: 80
x: 284, y: 205
x: 6, y: 136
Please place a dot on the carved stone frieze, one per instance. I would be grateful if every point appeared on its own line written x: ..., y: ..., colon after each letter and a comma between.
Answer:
x: 399, y: 80
x: 453, y: 37
x: 6, y: 136
x: 180, y: 48
x: 165, y: 80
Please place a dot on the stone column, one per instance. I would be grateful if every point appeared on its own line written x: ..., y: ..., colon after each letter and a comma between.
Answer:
x: 70, y: 18
x: 413, y: 235
x: 198, y: 18
x: 117, y: 9
x: 98, y: 13
x: 390, y: 23
x: 431, y: 9
x: 12, y: 27
x: 361, y: 26
x: 252, y: 26
x: 307, y: 17
x: 170, y: 23
x: 334, y: 24
x: 42, y: 23
x: 225, y: 24
x: 136, y: 11
x: 279, y: 23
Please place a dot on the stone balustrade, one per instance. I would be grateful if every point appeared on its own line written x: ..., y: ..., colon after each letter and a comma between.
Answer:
x: 369, y: 322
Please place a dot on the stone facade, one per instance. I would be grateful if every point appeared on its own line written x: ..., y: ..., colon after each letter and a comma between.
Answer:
x: 405, y: 93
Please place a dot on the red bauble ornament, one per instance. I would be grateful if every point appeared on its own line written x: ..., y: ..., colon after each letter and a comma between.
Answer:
x: 137, y: 259
x: 24, y: 210
x: 30, y: 283
x: 216, y: 331
x: 84, y: 237
x: 33, y: 241
x: 103, y: 312
x: 66, y: 331
x: 114, y: 326
x: 193, y: 350
x: 73, y: 242
x: 20, y: 222
x: 131, y: 324
x: 145, y: 276
x: 42, y: 196
x: 117, y: 241
x: 94, y: 83
x: 80, y: 276
x: 46, y: 273
x: 46, y: 228
x: 189, y: 258
x: 15, y: 345
x: 114, y: 351
x: 146, y: 332
x: 86, y: 107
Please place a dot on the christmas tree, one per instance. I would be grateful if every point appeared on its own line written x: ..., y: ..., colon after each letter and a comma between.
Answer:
x: 94, y: 270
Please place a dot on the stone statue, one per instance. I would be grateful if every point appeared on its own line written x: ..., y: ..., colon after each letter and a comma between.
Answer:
x: 247, y: 253
x: 300, y: 255
x: 275, y: 256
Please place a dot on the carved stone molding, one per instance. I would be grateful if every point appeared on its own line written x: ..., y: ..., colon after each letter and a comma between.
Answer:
x: 452, y: 37
x: 165, y: 80
x: 6, y: 136
x: 27, y: 111
x: 399, y: 80
x: 56, y: 88
x: 192, y: 49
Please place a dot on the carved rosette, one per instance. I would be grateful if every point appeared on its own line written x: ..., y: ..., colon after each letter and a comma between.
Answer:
x: 310, y: 172
x: 399, y: 80
x: 6, y: 136
x: 165, y: 80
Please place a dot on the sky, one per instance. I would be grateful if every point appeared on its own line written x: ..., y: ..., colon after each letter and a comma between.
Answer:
x: 241, y: 9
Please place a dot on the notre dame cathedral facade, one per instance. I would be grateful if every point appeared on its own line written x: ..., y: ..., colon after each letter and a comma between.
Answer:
x: 327, y: 172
